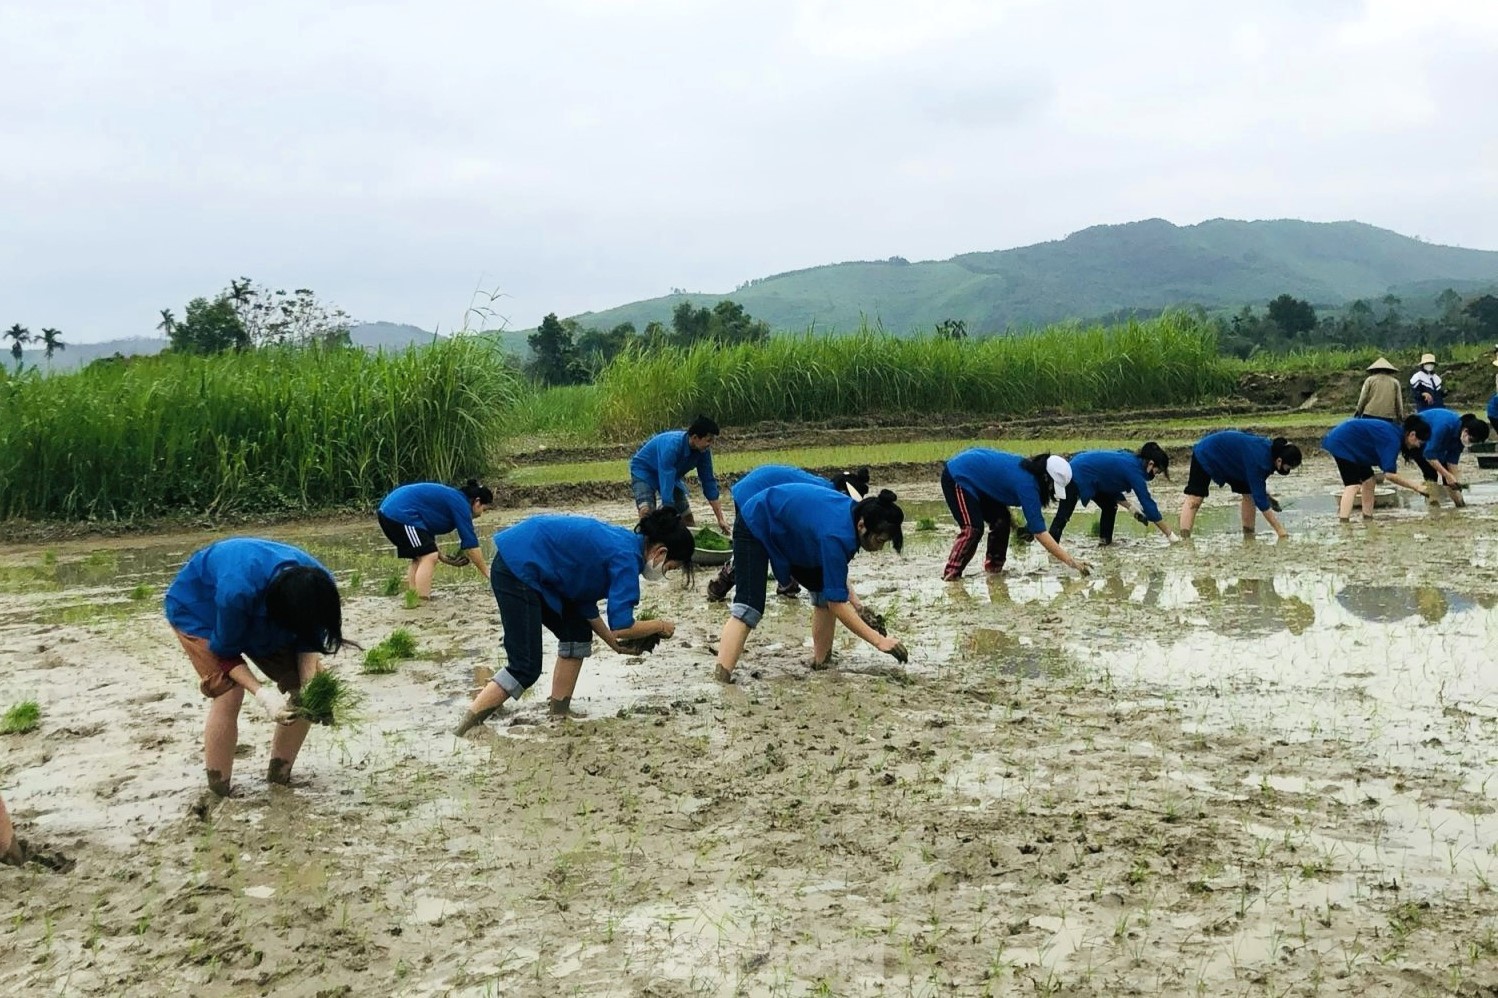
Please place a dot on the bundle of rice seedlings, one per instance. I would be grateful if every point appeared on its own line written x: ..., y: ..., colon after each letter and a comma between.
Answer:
x: 401, y: 643
x: 21, y: 718
x: 709, y: 539
x: 327, y: 699
x: 378, y: 661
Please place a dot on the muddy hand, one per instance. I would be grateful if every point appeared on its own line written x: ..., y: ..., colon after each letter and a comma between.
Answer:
x: 1274, y: 504
x: 874, y: 620
x: 895, y: 650
x: 640, y: 646
x: 453, y: 560
x: 1141, y: 518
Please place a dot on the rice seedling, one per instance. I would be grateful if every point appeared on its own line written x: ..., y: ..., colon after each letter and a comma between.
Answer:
x: 709, y: 539
x: 413, y: 599
x: 21, y: 718
x: 402, y: 643
x: 926, y: 523
x: 328, y: 699
x: 384, y: 657
x: 394, y: 585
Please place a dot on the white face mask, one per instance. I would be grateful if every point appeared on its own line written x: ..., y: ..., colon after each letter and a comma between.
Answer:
x: 1428, y: 368
x: 653, y: 572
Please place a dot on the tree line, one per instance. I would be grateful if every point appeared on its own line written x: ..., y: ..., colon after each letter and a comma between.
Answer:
x: 246, y: 315
x: 19, y: 336
x: 1290, y: 323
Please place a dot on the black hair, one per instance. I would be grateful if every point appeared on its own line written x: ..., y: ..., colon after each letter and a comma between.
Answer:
x: 665, y: 526
x: 1419, y: 427
x: 1281, y: 449
x: 474, y: 491
x: 702, y: 426
x: 1152, y: 451
x: 1035, y: 465
x: 858, y: 478
x: 1477, y: 430
x: 304, y: 600
x: 881, y: 516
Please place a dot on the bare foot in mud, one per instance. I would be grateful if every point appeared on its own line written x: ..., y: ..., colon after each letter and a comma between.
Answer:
x: 218, y: 783
x: 562, y: 709
x: 278, y: 774
x: 20, y: 854
x: 473, y: 719
x: 723, y: 675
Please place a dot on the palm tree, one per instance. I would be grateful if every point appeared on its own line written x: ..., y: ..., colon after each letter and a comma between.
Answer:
x: 52, y: 341
x: 17, y: 334
x: 168, y: 322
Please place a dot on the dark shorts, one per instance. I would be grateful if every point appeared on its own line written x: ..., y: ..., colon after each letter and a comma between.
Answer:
x: 1353, y: 474
x: 409, y: 541
x: 1199, y: 483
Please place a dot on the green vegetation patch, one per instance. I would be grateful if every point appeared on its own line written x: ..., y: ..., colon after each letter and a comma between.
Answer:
x: 709, y: 539
x: 328, y: 699
x: 385, y: 657
x: 21, y: 718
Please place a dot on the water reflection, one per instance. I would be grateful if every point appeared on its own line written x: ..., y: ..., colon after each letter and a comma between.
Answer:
x: 1254, y: 606
x: 1384, y: 604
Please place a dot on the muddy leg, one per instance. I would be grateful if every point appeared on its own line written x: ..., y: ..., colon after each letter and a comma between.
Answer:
x: 285, y: 744
x: 490, y: 699
x: 823, y: 623
x: 563, y: 682
x: 1247, y: 512
x: 1344, y: 505
x: 730, y: 647
x: 1189, y: 506
x: 220, y: 738
x: 421, y: 575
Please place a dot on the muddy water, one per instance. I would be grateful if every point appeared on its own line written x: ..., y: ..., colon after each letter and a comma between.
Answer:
x: 1232, y: 765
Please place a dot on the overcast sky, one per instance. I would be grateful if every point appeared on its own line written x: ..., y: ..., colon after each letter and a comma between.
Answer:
x: 579, y: 154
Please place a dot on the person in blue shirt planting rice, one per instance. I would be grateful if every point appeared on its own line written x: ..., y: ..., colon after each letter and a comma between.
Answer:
x: 1243, y: 462
x: 658, y: 470
x: 1450, y: 434
x: 808, y: 533
x: 550, y: 571
x: 247, y: 601
x: 414, y: 515
x: 854, y: 483
x: 1106, y: 477
x: 1359, y: 444
x: 981, y: 484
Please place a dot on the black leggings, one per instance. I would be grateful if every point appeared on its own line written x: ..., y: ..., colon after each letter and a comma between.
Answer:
x: 1107, y: 506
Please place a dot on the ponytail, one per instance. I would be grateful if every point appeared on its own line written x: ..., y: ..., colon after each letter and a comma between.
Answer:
x: 665, y: 526
x: 881, y: 515
x: 1036, y: 466
x: 1283, y: 450
x: 856, y: 481
x: 477, y: 493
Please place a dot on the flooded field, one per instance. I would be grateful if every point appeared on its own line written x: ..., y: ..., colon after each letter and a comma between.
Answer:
x: 1227, y: 766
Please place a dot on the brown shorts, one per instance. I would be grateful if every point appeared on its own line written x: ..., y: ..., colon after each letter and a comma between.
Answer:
x: 279, y: 667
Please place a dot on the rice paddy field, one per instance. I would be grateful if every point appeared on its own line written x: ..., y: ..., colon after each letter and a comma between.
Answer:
x: 1221, y: 767
x: 1229, y: 766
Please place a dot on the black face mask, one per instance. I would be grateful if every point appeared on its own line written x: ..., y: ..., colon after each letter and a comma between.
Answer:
x: 1283, y: 471
x: 1149, y: 476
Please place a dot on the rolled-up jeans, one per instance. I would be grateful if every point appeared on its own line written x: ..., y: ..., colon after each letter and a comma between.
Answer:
x: 645, y: 495
x: 522, y: 614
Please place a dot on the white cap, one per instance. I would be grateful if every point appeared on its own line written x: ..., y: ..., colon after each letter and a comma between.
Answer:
x: 1059, y: 468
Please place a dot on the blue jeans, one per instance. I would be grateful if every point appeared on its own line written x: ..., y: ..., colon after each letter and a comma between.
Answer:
x: 645, y: 495
x: 522, y: 613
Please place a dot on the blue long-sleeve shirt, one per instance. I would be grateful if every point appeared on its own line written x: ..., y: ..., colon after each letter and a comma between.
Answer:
x: 666, y: 458
x: 1113, y: 472
x: 1234, y: 456
x: 575, y: 561
x: 769, y: 475
x: 220, y: 595
x: 1445, y: 444
x: 438, y: 509
x: 998, y: 476
x: 1366, y: 442
x: 806, y: 525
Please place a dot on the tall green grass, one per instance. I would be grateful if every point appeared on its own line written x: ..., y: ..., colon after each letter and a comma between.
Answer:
x: 273, y: 429
x: 1172, y: 360
x: 1331, y: 360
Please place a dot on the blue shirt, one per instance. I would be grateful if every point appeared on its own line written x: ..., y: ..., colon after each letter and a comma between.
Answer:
x: 437, y: 509
x: 806, y: 525
x: 1366, y: 442
x: 998, y: 476
x: 575, y: 561
x: 220, y: 595
x: 1445, y: 444
x: 1493, y: 408
x: 1234, y: 456
x: 665, y: 459
x: 1111, y: 473
x: 768, y: 475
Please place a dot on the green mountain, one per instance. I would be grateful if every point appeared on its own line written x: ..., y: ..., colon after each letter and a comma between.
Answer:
x: 1104, y: 270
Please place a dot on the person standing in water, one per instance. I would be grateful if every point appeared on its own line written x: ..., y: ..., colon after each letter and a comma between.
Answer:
x: 658, y: 470
x: 1382, y: 396
x: 413, y: 515
x: 1450, y: 434
x: 854, y: 483
x: 245, y: 600
x: 981, y: 484
x: 1243, y: 462
x: 808, y: 533
x: 550, y: 571
x: 1106, y: 477
x: 1425, y: 385
x: 1359, y: 444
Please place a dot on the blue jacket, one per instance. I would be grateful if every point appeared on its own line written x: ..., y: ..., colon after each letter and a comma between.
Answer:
x: 1366, y: 442
x: 575, y: 561
x: 1493, y: 408
x: 768, y: 475
x: 437, y: 509
x: 806, y: 525
x: 220, y: 595
x: 1234, y: 456
x: 666, y: 458
x: 997, y: 476
x: 1445, y: 444
x: 1113, y: 472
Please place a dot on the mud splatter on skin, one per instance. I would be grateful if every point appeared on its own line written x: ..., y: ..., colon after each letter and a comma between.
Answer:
x: 1224, y: 767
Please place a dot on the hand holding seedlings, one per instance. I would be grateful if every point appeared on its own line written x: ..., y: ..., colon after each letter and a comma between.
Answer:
x: 643, y: 645
x: 455, y: 560
x: 895, y: 649
x: 874, y: 620
x: 275, y: 704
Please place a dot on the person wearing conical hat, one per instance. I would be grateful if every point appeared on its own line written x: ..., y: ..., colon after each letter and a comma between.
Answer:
x: 1426, y: 386
x: 1383, y: 396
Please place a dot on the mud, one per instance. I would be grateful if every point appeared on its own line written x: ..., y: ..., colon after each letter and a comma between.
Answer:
x: 1230, y: 766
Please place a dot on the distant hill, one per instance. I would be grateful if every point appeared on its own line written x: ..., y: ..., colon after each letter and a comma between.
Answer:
x: 1101, y: 271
